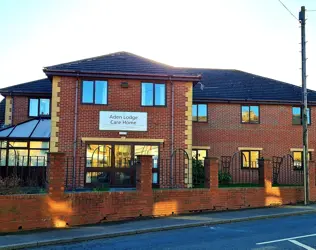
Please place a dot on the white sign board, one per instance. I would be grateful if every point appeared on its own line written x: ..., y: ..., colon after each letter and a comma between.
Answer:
x: 123, y: 121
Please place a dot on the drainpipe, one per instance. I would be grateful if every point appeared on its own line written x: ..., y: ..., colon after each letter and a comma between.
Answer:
x: 172, y: 129
x: 75, y: 135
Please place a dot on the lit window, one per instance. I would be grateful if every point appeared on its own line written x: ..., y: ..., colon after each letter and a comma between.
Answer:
x: 39, y: 107
x: 249, y: 158
x: 153, y: 94
x: 298, y: 159
x: 199, y: 112
x: 99, y: 156
x: 199, y: 154
x: 95, y: 92
x: 297, y: 113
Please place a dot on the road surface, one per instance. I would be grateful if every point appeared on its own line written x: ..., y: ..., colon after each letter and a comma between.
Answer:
x: 295, y: 232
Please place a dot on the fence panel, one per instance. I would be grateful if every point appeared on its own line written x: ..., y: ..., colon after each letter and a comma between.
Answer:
x: 287, y: 172
x: 232, y: 172
x: 24, y: 175
x: 87, y: 173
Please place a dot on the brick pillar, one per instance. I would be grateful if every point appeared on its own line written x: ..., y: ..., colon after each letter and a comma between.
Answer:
x: 312, y: 184
x: 261, y: 171
x: 211, y: 172
x: 265, y: 173
x: 144, y: 173
x: 56, y: 173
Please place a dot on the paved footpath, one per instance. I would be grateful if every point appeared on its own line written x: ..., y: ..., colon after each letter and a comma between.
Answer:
x: 77, y: 234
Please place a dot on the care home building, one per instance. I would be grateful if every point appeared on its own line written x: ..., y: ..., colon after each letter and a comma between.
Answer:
x: 104, y: 111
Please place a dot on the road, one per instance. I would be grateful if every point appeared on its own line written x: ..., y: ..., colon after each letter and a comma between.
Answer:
x: 295, y: 232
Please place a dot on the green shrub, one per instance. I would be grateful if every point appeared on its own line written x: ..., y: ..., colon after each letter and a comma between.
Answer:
x: 198, y: 173
x: 224, y: 177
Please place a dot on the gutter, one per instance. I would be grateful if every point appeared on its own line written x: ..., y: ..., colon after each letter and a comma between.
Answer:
x: 119, y: 75
x: 23, y: 93
x: 247, y: 101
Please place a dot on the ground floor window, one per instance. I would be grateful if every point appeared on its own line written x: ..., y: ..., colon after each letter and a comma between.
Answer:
x: 298, y: 159
x: 249, y: 158
x: 113, y: 165
x: 23, y: 153
x: 199, y: 154
x: 24, y: 160
x: 198, y: 175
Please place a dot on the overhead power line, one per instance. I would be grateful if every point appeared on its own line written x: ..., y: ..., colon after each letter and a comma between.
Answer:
x: 288, y: 10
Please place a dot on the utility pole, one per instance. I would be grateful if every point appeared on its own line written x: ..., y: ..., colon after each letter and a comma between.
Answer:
x: 304, y: 92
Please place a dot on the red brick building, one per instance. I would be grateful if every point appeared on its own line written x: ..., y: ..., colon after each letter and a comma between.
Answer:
x: 104, y: 111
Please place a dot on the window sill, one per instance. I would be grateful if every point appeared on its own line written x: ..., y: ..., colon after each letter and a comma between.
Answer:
x: 154, y: 106
x: 95, y: 104
x: 40, y: 116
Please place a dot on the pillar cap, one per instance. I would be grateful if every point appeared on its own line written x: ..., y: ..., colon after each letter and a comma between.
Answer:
x: 56, y: 153
x: 211, y: 158
x: 265, y: 159
x: 144, y: 155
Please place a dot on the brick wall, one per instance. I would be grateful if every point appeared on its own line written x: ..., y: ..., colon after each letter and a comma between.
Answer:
x: 224, y: 132
x: 59, y: 209
x: 121, y: 99
x: 20, y: 109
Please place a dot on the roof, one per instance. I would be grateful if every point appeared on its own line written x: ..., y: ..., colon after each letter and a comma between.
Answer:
x: 119, y: 63
x: 31, y: 129
x: 235, y: 85
x: 218, y: 84
x: 2, y: 112
x: 42, y: 86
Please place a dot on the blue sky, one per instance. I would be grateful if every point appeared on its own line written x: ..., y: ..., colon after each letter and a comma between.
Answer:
x: 257, y: 36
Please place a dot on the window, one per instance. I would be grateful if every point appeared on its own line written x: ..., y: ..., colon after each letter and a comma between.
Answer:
x: 38, y: 153
x: 39, y: 107
x: 297, y: 115
x: 249, y: 158
x: 95, y: 92
x: 113, y: 165
x: 153, y: 94
x: 99, y: 156
x: 250, y: 114
x: 199, y: 112
x: 199, y: 154
x: 298, y: 159
x: 3, y: 153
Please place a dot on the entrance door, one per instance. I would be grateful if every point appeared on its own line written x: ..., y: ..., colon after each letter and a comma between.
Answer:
x: 113, y: 165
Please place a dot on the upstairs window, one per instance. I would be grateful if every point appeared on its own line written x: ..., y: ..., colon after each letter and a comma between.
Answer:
x: 199, y: 112
x: 39, y: 107
x: 249, y: 158
x: 297, y: 116
x: 153, y: 94
x: 249, y: 114
x: 95, y: 92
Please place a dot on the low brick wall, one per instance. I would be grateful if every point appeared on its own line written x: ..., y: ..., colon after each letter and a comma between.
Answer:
x: 59, y: 209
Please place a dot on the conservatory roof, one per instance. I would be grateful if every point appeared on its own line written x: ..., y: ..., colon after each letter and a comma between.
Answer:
x: 38, y: 128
